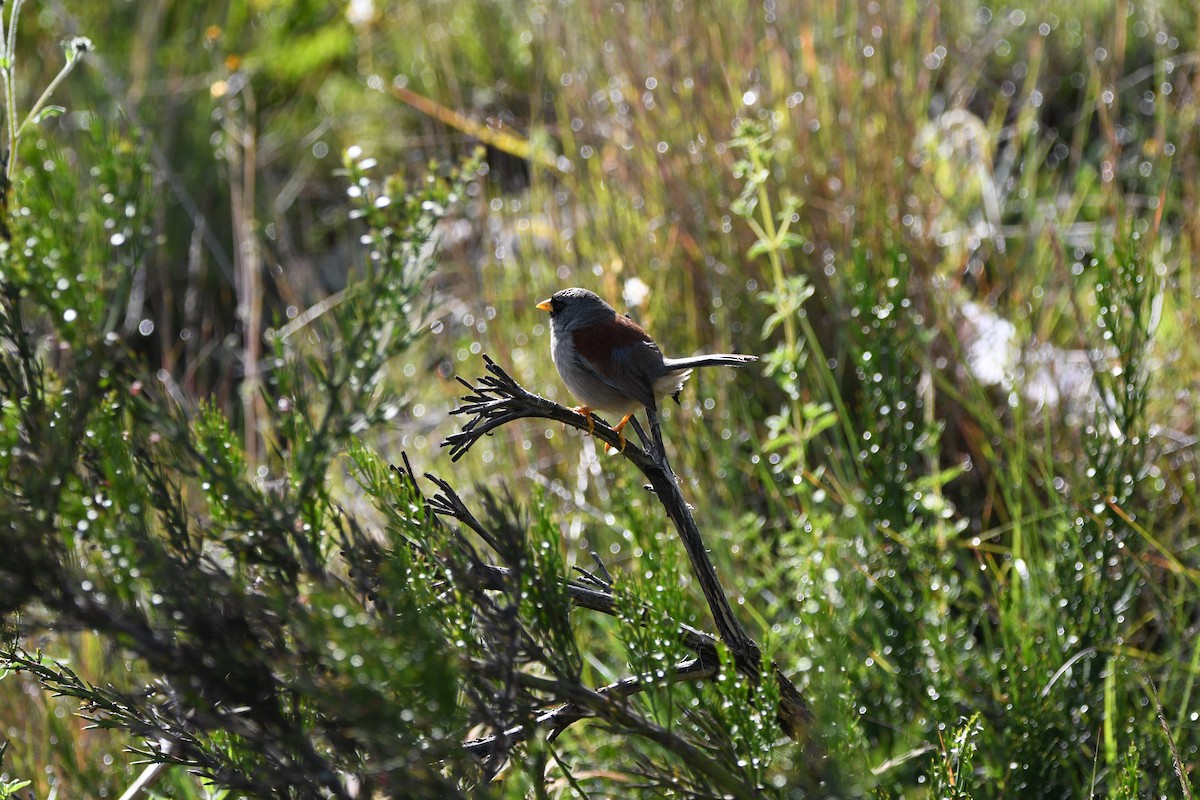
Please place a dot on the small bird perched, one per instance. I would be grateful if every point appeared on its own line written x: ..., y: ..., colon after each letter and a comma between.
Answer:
x: 610, y: 364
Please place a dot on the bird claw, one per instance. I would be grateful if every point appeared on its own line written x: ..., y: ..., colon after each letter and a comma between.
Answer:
x: 620, y: 429
x: 587, y: 414
x: 608, y: 448
x: 586, y: 411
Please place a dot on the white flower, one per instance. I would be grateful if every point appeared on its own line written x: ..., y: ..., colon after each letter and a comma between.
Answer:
x: 360, y: 12
x: 635, y: 292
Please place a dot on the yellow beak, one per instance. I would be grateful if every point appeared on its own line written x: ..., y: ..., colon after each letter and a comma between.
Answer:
x: 544, y: 305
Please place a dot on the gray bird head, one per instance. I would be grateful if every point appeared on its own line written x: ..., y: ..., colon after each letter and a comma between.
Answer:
x: 571, y: 309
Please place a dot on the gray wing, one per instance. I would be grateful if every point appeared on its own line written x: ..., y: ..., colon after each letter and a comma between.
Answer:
x: 634, y: 369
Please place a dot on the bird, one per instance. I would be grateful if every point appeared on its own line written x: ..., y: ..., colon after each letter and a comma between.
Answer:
x: 609, y: 363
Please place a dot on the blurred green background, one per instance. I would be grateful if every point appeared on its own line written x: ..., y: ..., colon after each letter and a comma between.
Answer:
x: 962, y: 237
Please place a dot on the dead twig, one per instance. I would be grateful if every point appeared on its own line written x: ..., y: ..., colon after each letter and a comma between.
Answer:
x: 561, y: 716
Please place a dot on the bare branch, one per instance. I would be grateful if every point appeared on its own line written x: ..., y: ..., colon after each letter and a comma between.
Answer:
x: 702, y: 644
x: 605, y: 703
x: 558, y: 718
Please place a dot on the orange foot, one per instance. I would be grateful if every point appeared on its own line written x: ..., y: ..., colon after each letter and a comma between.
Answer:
x: 587, y: 414
x: 620, y: 429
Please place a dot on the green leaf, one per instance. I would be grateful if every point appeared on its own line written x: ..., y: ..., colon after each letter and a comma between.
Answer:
x: 761, y: 247
x: 12, y: 787
x: 790, y: 240
x: 49, y: 112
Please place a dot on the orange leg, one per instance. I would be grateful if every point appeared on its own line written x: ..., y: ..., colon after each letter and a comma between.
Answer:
x: 620, y: 429
x: 587, y: 413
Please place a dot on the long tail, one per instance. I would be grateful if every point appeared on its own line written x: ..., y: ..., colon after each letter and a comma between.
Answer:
x: 715, y: 360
